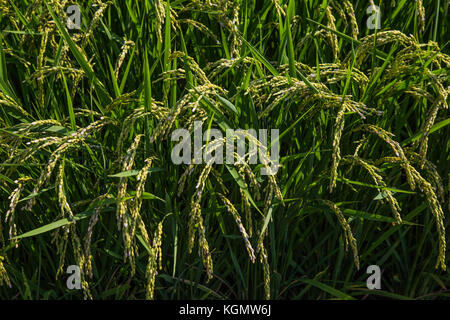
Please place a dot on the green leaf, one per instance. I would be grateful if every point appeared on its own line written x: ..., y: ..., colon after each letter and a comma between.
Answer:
x: 261, y: 58
x: 241, y: 183
x: 69, y: 103
x: 147, y: 196
x: 434, y: 128
x: 372, y: 216
x: 383, y: 194
x: 124, y: 174
x: 227, y: 104
x: 103, y: 94
x: 328, y: 289
x: 384, y: 294
x: 58, y: 129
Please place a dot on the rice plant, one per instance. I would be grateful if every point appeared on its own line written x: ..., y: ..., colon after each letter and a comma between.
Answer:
x: 91, y: 93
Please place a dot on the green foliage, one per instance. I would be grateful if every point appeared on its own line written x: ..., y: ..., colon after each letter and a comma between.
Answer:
x: 86, y: 176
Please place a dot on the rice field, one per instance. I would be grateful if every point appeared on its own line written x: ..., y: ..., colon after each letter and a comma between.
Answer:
x: 340, y: 162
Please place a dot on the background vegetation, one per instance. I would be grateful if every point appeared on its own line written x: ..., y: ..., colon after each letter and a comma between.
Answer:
x: 86, y: 176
